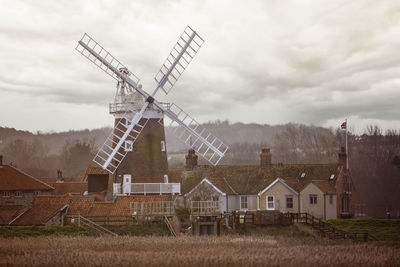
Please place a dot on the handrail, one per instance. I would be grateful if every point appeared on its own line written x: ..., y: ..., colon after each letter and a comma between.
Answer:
x: 327, y: 229
x: 168, y: 223
x: 82, y: 221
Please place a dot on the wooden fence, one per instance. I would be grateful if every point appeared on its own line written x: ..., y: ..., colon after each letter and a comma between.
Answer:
x: 326, y: 229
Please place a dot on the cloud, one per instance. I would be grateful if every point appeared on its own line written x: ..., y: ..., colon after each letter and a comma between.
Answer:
x: 314, y: 62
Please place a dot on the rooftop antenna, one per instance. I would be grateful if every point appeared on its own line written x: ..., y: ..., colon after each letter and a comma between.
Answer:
x: 126, y: 131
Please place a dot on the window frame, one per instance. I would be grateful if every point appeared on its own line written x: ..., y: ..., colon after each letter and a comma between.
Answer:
x: 267, y: 202
x: 330, y: 199
x: 242, y: 202
x: 286, y: 199
x: 6, y: 194
x: 163, y: 148
x: 19, y: 193
x: 127, y: 144
x: 312, y: 197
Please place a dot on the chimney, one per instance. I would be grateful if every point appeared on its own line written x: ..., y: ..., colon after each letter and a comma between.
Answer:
x: 343, y: 157
x: 191, y: 160
x: 1, y: 161
x: 60, y: 178
x: 265, y: 158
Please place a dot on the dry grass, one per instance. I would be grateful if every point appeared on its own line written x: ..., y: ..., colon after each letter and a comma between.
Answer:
x: 203, y: 251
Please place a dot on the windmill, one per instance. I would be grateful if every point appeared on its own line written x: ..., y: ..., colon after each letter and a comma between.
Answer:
x: 137, y: 111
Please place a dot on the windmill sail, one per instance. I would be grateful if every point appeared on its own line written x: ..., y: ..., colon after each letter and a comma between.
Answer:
x: 102, y: 58
x: 193, y: 134
x: 179, y: 58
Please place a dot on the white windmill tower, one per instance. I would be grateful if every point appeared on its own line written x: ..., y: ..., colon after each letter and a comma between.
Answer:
x: 138, y: 135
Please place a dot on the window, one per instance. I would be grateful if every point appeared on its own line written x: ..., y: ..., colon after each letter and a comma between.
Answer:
x: 331, y: 199
x: 128, y: 145
x: 289, y: 202
x: 332, y: 176
x: 36, y: 193
x: 303, y: 175
x: 345, y: 204
x: 243, y: 202
x: 19, y: 194
x: 270, y: 203
x: 313, y: 199
x: 162, y: 145
x: 6, y: 194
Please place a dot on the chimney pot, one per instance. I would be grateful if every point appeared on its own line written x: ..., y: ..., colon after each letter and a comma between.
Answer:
x: 191, y: 160
x: 265, y: 158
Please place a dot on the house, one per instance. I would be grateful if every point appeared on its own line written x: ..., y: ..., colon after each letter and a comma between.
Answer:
x: 319, y: 199
x: 279, y: 196
x: 64, y: 185
x: 283, y: 187
x: 19, y: 188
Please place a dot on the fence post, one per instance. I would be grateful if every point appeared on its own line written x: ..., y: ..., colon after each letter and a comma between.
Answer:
x: 79, y: 219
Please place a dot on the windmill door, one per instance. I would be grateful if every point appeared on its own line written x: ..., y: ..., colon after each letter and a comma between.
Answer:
x: 127, y: 183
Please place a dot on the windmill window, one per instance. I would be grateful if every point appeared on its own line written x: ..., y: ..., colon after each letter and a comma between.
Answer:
x: 289, y: 202
x: 243, y: 203
x: 332, y: 176
x: 303, y: 175
x: 162, y: 145
x: 128, y: 145
x: 313, y: 199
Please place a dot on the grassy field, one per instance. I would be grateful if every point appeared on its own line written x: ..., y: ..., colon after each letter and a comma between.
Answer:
x: 199, y: 251
x: 381, y: 229
x: 36, y: 231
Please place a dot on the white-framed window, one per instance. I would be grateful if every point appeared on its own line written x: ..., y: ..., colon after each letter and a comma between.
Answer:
x: 330, y: 199
x: 36, y: 193
x: 19, y: 194
x: 289, y: 202
x: 243, y: 203
x: 270, y: 203
x: 6, y: 193
x: 128, y: 145
x: 162, y: 145
x: 313, y: 199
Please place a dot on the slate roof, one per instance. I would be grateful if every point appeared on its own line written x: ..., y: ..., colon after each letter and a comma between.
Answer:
x: 248, y: 180
x: 13, y: 179
x: 9, y: 212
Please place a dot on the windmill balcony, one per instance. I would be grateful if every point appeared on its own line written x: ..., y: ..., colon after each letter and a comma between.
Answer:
x: 152, y: 188
x: 124, y: 107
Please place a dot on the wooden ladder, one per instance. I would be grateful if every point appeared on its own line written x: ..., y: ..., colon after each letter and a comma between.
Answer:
x: 171, y: 226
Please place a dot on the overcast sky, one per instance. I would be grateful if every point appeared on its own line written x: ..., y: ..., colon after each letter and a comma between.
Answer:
x: 271, y: 62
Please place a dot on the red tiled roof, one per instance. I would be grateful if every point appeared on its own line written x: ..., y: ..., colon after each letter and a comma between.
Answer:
x: 49, y: 180
x: 14, y: 179
x: 40, y: 213
x: 90, y: 169
x: 9, y: 212
x: 121, y: 206
x: 69, y: 187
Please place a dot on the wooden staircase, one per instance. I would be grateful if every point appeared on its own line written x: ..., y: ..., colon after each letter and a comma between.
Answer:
x: 81, y: 221
x: 172, y: 227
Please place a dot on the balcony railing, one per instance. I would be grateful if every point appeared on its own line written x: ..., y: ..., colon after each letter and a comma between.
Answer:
x: 204, y: 208
x: 152, y: 188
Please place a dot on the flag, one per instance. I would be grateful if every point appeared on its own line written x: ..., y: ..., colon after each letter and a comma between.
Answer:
x: 344, y: 125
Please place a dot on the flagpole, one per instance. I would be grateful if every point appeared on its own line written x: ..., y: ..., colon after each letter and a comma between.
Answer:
x: 347, y: 150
